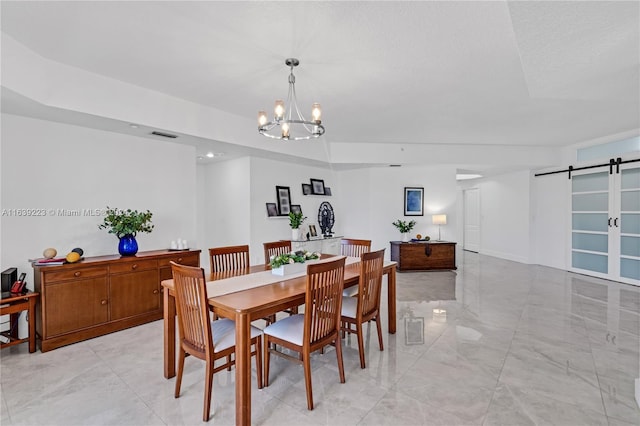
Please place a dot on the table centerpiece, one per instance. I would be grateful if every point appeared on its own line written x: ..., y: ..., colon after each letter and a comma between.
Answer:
x: 291, y: 263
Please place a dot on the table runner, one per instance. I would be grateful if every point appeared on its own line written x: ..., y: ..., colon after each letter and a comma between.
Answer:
x: 245, y: 282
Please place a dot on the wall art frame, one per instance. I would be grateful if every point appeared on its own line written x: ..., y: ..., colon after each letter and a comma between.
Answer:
x: 413, y: 201
x: 317, y: 186
x: 306, y: 189
x: 283, y: 197
x: 296, y: 208
x: 272, y: 210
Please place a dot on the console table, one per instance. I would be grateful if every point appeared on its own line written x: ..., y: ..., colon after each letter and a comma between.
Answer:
x: 100, y: 295
x: 13, y: 306
x: 424, y: 256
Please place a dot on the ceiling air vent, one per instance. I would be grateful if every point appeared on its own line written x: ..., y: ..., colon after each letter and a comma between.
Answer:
x: 164, y: 135
x: 395, y: 165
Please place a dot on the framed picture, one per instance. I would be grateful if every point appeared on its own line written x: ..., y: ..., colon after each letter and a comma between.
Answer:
x: 317, y: 186
x: 283, y: 195
x: 295, y: 208
x: 312, y: 231
x: 272, y: 209
x: 413, y: 201
x: 414, y: 331
x: 306, y: 189
x: 327, y: 191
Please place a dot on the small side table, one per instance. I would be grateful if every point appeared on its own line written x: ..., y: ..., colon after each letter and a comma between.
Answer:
x: 13, y: 306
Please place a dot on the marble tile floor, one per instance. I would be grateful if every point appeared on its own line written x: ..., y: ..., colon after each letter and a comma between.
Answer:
x: 493, y: 343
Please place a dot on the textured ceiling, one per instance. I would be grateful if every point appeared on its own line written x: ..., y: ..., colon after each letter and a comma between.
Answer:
x: 497, y: 73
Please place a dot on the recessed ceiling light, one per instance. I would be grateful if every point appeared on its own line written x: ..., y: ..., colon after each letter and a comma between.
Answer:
x: 467, y: 176
x: 210, y: 154
x: 133, y: 126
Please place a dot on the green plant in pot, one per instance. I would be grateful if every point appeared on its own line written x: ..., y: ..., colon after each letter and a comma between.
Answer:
x: 404, y: 227
x: 295, y: 221
x: 126, y: 224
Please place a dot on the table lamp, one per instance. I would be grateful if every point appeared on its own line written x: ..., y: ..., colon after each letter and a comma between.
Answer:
x: 439, y: 219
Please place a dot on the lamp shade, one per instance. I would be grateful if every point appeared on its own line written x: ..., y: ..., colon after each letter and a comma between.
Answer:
x: 439, y: 219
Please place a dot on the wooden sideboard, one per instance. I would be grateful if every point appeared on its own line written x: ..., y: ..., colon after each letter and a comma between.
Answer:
x: 424, y: 256
x: 100, y: 295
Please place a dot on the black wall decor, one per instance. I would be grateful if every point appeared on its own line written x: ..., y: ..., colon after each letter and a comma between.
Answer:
x: 326, y: 218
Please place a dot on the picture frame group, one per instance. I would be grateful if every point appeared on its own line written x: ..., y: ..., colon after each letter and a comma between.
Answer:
x: 316, y: 187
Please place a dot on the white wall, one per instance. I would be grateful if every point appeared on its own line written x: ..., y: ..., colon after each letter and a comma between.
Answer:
x: 505, y: 216
x: 225, y: 193
x: 52, y: 166
x: 373, y: 198
x: 550, y: 222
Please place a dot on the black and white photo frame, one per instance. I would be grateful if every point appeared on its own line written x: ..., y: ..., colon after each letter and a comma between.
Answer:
x: 283, y: 197
x: 317, y: 187
x: 272, y: 210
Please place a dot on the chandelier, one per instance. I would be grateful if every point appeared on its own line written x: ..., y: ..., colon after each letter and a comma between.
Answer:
x: 288, y: 122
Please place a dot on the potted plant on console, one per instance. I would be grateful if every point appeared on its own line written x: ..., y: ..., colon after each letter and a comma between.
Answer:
x: 126, y: 224
x: 295, y: 220
x: 404, y: 227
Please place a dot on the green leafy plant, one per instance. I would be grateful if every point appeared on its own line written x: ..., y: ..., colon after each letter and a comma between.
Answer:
x: 300, y: 256
x: 126, y: 222
x: 296, y: 219
x: 404, y: 226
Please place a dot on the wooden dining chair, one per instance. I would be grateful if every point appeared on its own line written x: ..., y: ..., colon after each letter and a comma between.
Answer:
x: 365, y: 306
x: 204, y: 339
x: 353, y: 247
x: 232, y: 259
x: 317, y: 327
x: 229, y: 258
x: 275, y: 248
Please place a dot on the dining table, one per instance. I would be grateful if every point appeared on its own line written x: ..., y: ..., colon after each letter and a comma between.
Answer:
x: 253, y: 293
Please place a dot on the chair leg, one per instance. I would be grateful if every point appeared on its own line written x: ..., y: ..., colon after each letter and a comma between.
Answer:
x: 207, y: 392
x: 179, y: 375
x: 307, y: 380
x: 259, y: 360
x: 360, y: 344
x: 267, y: 355
x: 379, y: 332
x: 339, y: 356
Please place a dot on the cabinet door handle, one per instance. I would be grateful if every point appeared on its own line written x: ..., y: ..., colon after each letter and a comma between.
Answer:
x: 609, y: 222
x: 77, y: 274
x: 615, y: 222
x: 427, y: 250
x: 156, y: 291
x: 134, y: 266
x: 103, y: 302
x: 179, y: 260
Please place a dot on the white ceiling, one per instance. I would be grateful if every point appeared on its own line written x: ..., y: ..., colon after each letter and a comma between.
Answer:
x: 467, y: 73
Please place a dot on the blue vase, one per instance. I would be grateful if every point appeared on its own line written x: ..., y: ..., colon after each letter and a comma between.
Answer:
x: 128, y: 245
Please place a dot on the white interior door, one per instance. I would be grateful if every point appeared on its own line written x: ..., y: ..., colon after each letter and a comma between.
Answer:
x: 471, y: 237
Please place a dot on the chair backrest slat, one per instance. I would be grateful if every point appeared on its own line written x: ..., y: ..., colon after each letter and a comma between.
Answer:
x: 191, y: 308
x: 229, y: 258
x: 276, y: 248
x: 323, y: 300
x: 353, y: 247
x: 370, y: 282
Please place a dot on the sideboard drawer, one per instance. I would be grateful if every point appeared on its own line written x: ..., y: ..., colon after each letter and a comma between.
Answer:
x: 133, y: 266
x: 80, y: 273
x: 188, y: 259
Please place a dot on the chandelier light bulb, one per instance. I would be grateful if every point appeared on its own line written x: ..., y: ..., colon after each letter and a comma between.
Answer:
x: 279, y: 109
x: 262, y: 118
x: 285, y: 131
x: 316, y: 112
